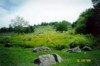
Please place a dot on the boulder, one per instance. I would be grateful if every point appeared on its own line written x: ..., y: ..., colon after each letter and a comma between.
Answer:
x: 75, y: 49
x: 87, y: 48
x: 8, y: 45
x: 39, y: 49
x: 47, y: 60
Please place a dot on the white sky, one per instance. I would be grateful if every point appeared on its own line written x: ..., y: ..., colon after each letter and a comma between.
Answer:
x: 37, y: 11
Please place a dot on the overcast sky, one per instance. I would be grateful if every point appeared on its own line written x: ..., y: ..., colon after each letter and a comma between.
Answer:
x: 37, y: 11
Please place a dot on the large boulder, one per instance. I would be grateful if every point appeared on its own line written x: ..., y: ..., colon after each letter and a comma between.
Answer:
x: 39, y: 49
x: 75, y: 49
x: 47, y: 60
x: 87, y: 48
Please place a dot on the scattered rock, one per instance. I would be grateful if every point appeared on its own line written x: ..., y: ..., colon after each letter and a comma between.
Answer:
x: 39, y: 49
x: 87, y: 48
x: 76, y: 49
x: 47, y: 60
x: 8, y: 45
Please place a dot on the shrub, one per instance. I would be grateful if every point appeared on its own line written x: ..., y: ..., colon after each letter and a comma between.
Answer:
x: 5, y: 40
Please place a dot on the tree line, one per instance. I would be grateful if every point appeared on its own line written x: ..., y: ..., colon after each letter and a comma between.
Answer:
x: 89, y: 21
x: 20, y: 25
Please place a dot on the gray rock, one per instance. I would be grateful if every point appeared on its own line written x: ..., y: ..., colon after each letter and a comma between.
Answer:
x: 47, y: 60
x: 39, y: 49
x: 76, y: 49
x: 87, y: 48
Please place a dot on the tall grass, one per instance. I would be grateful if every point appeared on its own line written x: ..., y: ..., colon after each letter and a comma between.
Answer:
x: 55, y: 40
x: 47, y: 36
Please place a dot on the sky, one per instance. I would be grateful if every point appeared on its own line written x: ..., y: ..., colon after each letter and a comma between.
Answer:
x: 37, y: 11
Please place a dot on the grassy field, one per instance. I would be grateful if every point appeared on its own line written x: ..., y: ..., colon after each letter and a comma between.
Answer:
x: 17, y: 56
x: 47, y: 36
x: 55, y: 40
x: 21, y: 53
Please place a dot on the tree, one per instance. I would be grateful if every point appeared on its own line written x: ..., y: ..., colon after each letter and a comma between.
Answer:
x: 4, y: 30
x: 62, y: 26
x: 89, y: 21
x: 80, y: 25
x: 96, y: 3
x: 44, y: 24
x: 10, y: 28
x: 29, y: 29
x: 18, y: 24
x: 93, y: 23
x: 19, y: 21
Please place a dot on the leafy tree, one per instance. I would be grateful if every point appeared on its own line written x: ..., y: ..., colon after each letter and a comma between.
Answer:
x: 10, y: 28
x: 53, y: 23
x: 73, y: 24
x: 19, y: 24
x: 29, y: 29
x: 19, y: 21
x: 93, y: 23
x: 62, y: 26
x: 3, y: 30
x: 80, y: 25
x: 44, y: 24
x: 89, y: 21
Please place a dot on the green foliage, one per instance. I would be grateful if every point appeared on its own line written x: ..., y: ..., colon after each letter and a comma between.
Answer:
x: 44, y: 29
x: 44, y: 24
x: 62, y: 26
x: 19, y: 21
x: 18, y: 25
x: 81, y: 26
x: 3, y: 30
x: 29, y: 29
x: 47, y: 36
x: 89, y: 21
x: 55, y: 40
x: 21, y: 26
x: 93, y: 23
x: 5, y: 40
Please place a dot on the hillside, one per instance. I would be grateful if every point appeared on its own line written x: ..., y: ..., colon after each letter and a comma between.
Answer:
x: 20, y: 54
x: 47, y: 36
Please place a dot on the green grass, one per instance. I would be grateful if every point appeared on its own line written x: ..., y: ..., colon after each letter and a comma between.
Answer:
x: 44, y: 29
x: 16, y: 56
x: 19, y: 55
x: 47, y: 36
x: 55, y: 40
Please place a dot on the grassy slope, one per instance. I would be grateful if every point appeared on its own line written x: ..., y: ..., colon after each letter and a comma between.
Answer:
x: 47, y: 36
x: 16, y: 56
x: 24, y: 57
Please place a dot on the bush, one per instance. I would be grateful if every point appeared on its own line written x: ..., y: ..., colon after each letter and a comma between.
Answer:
x: 62, y: 26
x: 5, y: 40
x: 82, y: 40
x: 58, y: 41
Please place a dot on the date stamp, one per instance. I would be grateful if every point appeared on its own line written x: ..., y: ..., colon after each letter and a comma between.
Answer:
x: 86, y: 60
